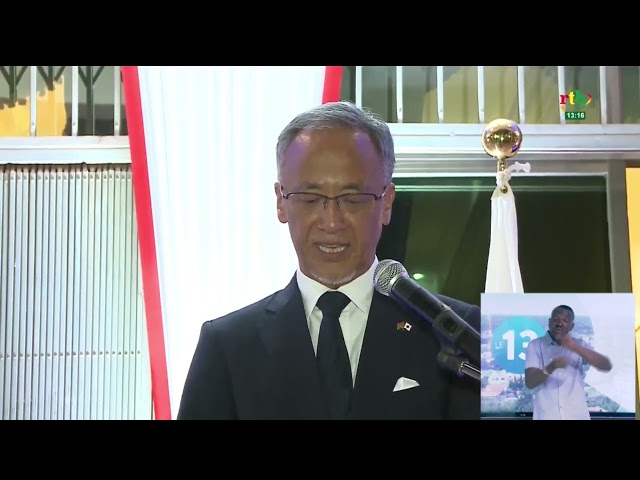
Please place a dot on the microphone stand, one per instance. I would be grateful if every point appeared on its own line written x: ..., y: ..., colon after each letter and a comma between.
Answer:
x: 460, y: 366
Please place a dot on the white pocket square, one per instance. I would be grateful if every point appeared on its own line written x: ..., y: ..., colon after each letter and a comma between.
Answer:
x: 404, y: 383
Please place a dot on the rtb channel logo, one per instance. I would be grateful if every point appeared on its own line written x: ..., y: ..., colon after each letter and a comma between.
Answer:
x: 575, y: 99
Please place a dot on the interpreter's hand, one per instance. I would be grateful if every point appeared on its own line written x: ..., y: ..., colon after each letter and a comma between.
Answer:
x: 559, y: 362
x: 569, y: 343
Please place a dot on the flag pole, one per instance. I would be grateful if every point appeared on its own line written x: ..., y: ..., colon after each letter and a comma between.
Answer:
x: 502, y: 139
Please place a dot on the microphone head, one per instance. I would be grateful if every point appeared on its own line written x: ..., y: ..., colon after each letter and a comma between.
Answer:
x: 386, y: 273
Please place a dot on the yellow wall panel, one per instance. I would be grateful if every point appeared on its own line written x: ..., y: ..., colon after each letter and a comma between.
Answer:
x: 633, y: 212
x: 51, y: 115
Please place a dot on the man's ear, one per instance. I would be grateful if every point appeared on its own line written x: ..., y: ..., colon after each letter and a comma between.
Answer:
x: 389, y: 196
x: 282, y: 215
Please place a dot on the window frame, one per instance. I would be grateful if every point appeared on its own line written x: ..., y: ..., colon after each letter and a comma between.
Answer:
x: 436, y: 150
x: 455, y: 150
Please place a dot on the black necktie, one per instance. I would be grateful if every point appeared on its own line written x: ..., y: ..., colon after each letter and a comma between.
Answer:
x: 333, y: 359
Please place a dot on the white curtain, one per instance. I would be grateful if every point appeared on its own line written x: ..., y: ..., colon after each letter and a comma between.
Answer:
x: 503, y: 266
x: 210, y: 137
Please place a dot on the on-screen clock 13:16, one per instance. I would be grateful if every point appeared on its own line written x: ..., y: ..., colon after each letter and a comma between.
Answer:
x: 575, y: 115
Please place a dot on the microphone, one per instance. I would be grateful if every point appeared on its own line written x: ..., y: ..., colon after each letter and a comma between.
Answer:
x: 391, y: 279
x: 458, y: 365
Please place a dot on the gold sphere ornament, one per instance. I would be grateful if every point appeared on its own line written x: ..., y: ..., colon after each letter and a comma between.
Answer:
x: 502, y: 138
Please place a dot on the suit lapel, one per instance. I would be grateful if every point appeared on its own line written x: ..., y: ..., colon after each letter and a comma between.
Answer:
x: 291, y: 385
x: 381, y: 359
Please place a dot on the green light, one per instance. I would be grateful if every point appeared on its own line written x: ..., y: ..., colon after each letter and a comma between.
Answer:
x: 418, y: 276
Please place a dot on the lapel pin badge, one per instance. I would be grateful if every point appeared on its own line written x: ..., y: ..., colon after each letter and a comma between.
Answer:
x: 403, y: 326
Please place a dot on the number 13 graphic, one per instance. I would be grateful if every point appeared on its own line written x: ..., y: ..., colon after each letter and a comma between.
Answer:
x: 510, y: 340
x: 509, y: 337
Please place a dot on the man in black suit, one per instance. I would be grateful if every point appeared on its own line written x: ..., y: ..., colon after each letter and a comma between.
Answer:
x: 328, y: 346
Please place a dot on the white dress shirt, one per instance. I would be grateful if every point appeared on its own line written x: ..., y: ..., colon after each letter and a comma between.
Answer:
x: 562, y: 395
x: 353, y: 319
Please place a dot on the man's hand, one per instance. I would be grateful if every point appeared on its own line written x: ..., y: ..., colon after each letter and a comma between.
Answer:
x: 592, y: 357
x: 536, y: 376
x: 570, y: 344
x: 558, y: 362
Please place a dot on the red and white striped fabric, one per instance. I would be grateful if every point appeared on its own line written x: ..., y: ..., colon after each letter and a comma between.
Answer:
x: 203, y: 166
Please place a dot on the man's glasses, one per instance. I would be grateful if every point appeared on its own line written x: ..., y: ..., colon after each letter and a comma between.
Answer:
x: 348, y: 202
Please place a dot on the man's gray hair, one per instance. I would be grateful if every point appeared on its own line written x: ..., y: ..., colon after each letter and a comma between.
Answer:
x: 341, y: 115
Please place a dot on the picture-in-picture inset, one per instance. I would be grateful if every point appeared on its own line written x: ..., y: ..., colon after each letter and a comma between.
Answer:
x: 558, y: 356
